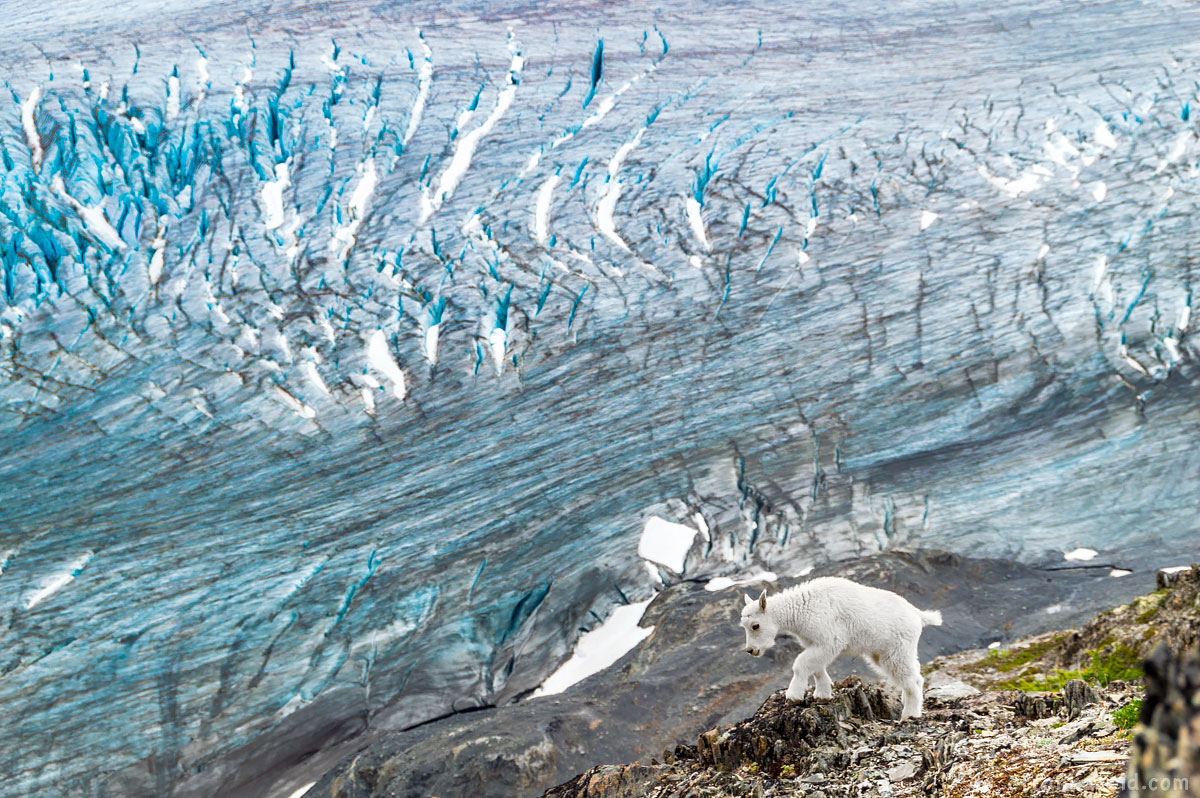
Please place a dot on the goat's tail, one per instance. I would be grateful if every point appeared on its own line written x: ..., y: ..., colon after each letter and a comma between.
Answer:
x: 930, y: 617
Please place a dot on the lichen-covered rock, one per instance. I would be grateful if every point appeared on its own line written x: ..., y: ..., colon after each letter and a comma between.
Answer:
x: 1133, y: 631
x: 1035, y: 706
x: 782, y: 729
x: 609, y: 781
x: 1164, y: 760
x: 1076, y: 695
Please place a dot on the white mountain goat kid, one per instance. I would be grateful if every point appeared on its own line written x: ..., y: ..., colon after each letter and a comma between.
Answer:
x: 832, y: 616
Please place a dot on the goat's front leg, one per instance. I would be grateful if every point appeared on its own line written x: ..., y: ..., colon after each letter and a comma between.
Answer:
x: 810, y: 662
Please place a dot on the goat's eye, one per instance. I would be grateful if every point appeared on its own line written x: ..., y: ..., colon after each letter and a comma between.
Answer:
x: 754, y: 627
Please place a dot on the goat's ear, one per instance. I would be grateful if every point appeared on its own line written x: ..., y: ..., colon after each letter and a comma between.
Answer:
x: 762, y: 601
x: 749, y: 600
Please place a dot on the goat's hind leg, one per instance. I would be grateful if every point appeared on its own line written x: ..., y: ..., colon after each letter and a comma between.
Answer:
x: 905, y: 670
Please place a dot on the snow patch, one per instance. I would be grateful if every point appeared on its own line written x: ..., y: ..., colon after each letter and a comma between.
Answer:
x: 497, y: 341
x: 541, y: 212
x: 239, y: 90
x: 1099, y: 191
x: 697, y: 223
x: 601, y: 111
x: 429, y: 344
x: 272, y: 196
x: 172, y: 97
x: 461, y: 160
x: 608, y: 202
x: 1079, y: 555
x: 1028, y: 180
x: 665, y: 543
x: 301, y: 790
x: 1119, y: 572
x: 93, y: 217
x: 1104, y: 136
x: 360, y: 202
x: 202, y: 78
x: 158, y: 247
x: 1060, y: 150
x: 381, y: 360
x: 424, y: 79
x: 1100, y: 270
x: 309, y: 369
x: 1131, y: 362
x: 652, y: 570
x: 28, y: 109
x: 927, y: 218
x: 55, y: 582
x: 599, y: 648
x: 294, y: 404
x: 1178, y: 148
x: 722, y: 582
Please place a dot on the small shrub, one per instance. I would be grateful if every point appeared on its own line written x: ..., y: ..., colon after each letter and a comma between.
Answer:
x: 1127, y: 716
x: 1121, y: 663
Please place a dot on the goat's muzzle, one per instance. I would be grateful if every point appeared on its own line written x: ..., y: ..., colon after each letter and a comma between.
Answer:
x: 754, y: 652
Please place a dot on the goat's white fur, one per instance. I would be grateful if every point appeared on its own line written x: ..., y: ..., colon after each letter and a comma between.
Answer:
x: 831, y: 616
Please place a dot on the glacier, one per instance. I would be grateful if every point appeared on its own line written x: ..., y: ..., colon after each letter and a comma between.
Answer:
x: 344, y: 356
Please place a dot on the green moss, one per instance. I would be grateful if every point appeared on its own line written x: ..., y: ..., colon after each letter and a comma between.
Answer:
x: 1148, y: 606
x: 1122, y: 662
x: 1127, y: 716
x: 1107, y: 664
x: 1007, y: 660
x: 1038, y: 682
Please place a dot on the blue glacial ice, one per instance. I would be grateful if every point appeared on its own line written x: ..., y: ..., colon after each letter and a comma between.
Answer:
x: 344, y: 359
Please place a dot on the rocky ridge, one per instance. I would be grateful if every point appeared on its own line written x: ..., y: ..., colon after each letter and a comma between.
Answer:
x: 987, y: 729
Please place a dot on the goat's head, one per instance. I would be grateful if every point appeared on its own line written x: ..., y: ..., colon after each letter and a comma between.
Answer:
x: 760, y: 628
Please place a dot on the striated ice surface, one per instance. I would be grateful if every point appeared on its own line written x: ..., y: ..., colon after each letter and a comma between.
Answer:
x: 344, y: 355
